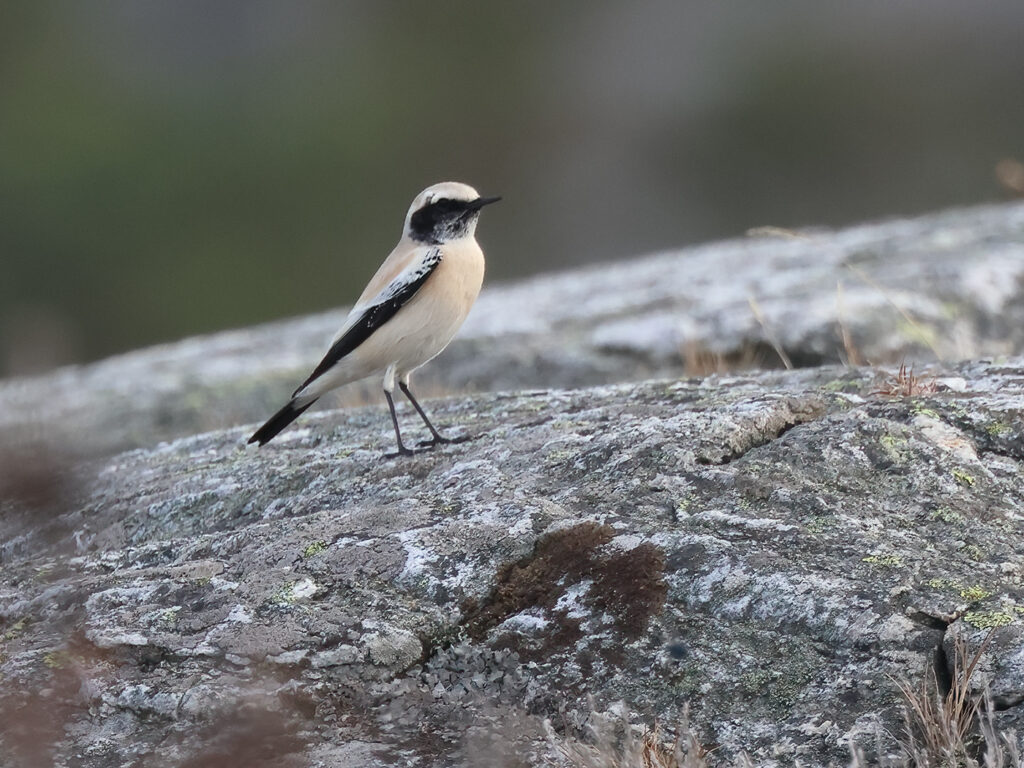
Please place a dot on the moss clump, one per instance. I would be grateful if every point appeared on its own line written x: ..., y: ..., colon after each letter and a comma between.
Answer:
x: 558, y: 559
x: 314, y: 549
x: 627, y: 585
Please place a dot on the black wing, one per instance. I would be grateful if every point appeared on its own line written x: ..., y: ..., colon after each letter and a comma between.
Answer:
x: 390, y: 300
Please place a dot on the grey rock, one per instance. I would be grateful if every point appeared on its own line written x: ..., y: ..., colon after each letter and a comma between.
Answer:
x: 775, y: 549
x: 945, y: 286
x: 390, y: 646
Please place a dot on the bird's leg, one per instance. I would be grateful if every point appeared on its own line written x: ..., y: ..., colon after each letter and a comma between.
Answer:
x: 402, y: 450
x: 437, y: 436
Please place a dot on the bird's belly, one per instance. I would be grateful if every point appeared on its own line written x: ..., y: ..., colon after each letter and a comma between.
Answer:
x: 424, y: 330
x: 418, y: 332
x: 421, y: 329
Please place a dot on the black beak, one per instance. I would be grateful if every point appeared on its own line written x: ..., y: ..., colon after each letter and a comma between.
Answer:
x: 480, y: 202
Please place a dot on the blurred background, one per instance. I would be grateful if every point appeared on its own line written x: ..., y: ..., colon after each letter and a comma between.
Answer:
x: 174, y: 168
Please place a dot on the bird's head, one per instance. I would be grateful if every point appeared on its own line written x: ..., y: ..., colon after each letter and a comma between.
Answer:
x: 445, y: 211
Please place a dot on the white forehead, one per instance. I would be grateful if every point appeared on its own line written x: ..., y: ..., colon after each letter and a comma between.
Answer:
x: 451, y: 190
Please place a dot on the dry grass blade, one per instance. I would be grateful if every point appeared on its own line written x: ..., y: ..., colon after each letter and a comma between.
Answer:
x: 617, y: 745
x: 852, y: 354
x: 769, y: 334
x: 923, y: 334
x: 699, y: 361
x: 946, y: 730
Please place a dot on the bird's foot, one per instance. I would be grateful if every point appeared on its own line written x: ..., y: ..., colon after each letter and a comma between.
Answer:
x: 441, y: 440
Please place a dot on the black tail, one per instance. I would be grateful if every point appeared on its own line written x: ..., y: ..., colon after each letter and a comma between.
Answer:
x: 277, y: 422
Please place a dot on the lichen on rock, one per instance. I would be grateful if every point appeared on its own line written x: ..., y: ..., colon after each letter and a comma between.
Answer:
x: 773, y: 549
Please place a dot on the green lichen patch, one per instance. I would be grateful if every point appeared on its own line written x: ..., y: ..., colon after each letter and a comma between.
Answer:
x: 947, y: 515
x: 57, y: 659
x: 920, y: 410
x: 819, y: 524
x: 988, y: 619
x: 894, y: 444
x: 974, y: 593
x: 14, y: 630
x: 293, y: 592
x: 447, y: 506
x: 780, y: 688
x: 560, y: 455
x: 975, y: 553
x: 997, y: 428
x: 314, y: 548
x: 939, y: 583
x: 842, y: 385
x: 963, y: 478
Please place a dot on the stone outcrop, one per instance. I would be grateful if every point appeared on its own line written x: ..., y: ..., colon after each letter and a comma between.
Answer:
x: 774, y: 549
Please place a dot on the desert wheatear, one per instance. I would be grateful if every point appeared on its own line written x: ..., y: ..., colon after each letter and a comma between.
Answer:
x: 409, y: 311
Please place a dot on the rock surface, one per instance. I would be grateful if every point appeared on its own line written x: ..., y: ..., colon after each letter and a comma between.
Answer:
x: 946, y: 286
x: 775, y: 549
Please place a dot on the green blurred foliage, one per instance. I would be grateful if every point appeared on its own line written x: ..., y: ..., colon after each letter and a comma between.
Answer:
x: 175, y: 168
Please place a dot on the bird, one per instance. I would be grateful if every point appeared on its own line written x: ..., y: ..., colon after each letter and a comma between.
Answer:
x: 409, y: 311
